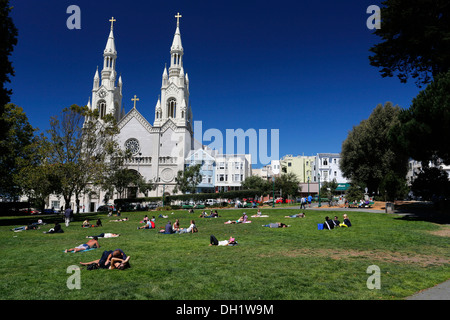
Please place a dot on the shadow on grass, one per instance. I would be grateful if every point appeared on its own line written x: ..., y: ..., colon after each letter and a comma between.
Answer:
x: 422, y: 211
x: 23, y: 220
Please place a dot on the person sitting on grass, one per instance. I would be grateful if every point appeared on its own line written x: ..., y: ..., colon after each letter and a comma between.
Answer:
x: 93, y: 243
x: 346, y: 222
x: 191, y: 229
x: 214, y: 242
x: 148, y: 225
x: 242, y: 219
x: 56, y: 229
x: 176, y: 225
x: 328, y: 224
x: 276, y: 225
x: 336, y: 221
x: 86, y: 224
x: 167, y: 229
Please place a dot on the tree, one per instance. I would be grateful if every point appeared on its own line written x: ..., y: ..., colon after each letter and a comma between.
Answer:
x: 416, y: 40
x: 262, y: 186
x: 81, y: 149
x: 368, y: 154
x: 288, y: 184
x: 188, y: 179
x: 431, y: 183
x: 423, y: 127
x: 15, y: 148
x: 8, y: 39
x: 328, y: 189
x: 36, y: 177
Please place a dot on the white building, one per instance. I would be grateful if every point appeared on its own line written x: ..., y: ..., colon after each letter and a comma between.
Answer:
x: 327, y: 165
x: 231, y: 171
x: 415, y: 167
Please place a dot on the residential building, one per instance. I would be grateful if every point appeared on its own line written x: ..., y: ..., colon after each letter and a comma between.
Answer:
x: 301, y: 166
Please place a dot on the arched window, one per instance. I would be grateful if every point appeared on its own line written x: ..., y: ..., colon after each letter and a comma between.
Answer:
x: 171, y: 108
x: 102, y: 108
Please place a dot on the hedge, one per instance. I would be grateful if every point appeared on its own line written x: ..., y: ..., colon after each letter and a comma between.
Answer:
x: 192, y: 196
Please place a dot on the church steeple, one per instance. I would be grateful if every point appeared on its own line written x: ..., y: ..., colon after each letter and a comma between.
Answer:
x: 106, y: 96
x: 109, y: 59
x: 176, y: 51
x: 173, y: 103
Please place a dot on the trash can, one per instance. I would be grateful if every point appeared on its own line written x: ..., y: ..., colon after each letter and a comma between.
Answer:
x: 389, y: 208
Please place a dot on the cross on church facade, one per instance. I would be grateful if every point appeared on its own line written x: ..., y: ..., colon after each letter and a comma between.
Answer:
x: 112, y: 20
x: 178, y: 16
x: 135, y: 99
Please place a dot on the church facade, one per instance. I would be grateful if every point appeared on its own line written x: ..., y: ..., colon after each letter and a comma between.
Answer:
x: 160, y: 148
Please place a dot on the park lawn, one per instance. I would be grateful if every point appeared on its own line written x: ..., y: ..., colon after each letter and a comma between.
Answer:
x: 295, y: 263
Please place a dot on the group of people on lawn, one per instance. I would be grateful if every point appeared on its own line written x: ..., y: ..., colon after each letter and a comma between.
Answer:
x: 117, y: 259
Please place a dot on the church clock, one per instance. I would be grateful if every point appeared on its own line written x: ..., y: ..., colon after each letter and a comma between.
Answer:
x: 102, y: 94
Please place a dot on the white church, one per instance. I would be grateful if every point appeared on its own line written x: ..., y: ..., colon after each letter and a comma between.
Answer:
x: 160, y: 149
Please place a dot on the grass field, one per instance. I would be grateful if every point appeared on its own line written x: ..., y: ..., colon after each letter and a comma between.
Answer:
x: 295, y: 263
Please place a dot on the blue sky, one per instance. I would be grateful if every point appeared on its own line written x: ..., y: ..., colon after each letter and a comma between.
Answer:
x: 298, y: 66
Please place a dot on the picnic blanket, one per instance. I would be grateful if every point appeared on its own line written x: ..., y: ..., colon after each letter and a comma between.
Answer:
x: 260, y: 216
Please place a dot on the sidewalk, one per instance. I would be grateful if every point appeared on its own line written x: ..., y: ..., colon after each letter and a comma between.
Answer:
x: 439, y: 292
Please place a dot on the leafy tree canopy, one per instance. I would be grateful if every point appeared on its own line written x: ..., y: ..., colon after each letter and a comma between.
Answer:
x: 415, y: 38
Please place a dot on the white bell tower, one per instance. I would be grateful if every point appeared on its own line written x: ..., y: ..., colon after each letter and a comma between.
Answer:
x: 106, y: 96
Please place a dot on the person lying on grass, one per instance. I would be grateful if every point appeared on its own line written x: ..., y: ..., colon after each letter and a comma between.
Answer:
x: 105, y: 235
x: 276, y: 225
x: 214, y: 242
x: 93, y: 243
x: 107, y: 258
x: 299, y: 215
x: 242, y: 219
x: 117, y: 263
x: 33, y: 226
x: 119, y: 220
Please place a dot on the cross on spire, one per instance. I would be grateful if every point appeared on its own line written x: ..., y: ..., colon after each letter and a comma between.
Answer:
x: 135, y: 99
x: 178, y: 16
x: 112, y: 20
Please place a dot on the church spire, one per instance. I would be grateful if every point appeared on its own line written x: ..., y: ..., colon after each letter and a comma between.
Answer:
x: 176, y: 51
x: 109, y: 59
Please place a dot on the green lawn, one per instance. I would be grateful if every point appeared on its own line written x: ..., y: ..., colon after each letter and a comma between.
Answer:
x: 299, y: 262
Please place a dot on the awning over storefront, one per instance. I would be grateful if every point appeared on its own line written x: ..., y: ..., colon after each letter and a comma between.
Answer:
x: 343, y: 186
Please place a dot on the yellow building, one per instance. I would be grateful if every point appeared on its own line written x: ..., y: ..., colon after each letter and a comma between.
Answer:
x: 301, y: 166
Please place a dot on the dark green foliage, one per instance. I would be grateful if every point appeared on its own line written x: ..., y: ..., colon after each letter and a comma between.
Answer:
x: 368, y: 155
x: 415, y: 40
x: 424, y: 127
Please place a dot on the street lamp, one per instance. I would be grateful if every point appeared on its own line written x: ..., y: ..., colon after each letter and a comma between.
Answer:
x: 318, y: 175
x: 273, y: 192
x: 308, y: 186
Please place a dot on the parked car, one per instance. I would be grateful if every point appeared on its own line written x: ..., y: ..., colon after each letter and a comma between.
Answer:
x: 103, y: 208
x: 30, y: 211
x: 48, y: 211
